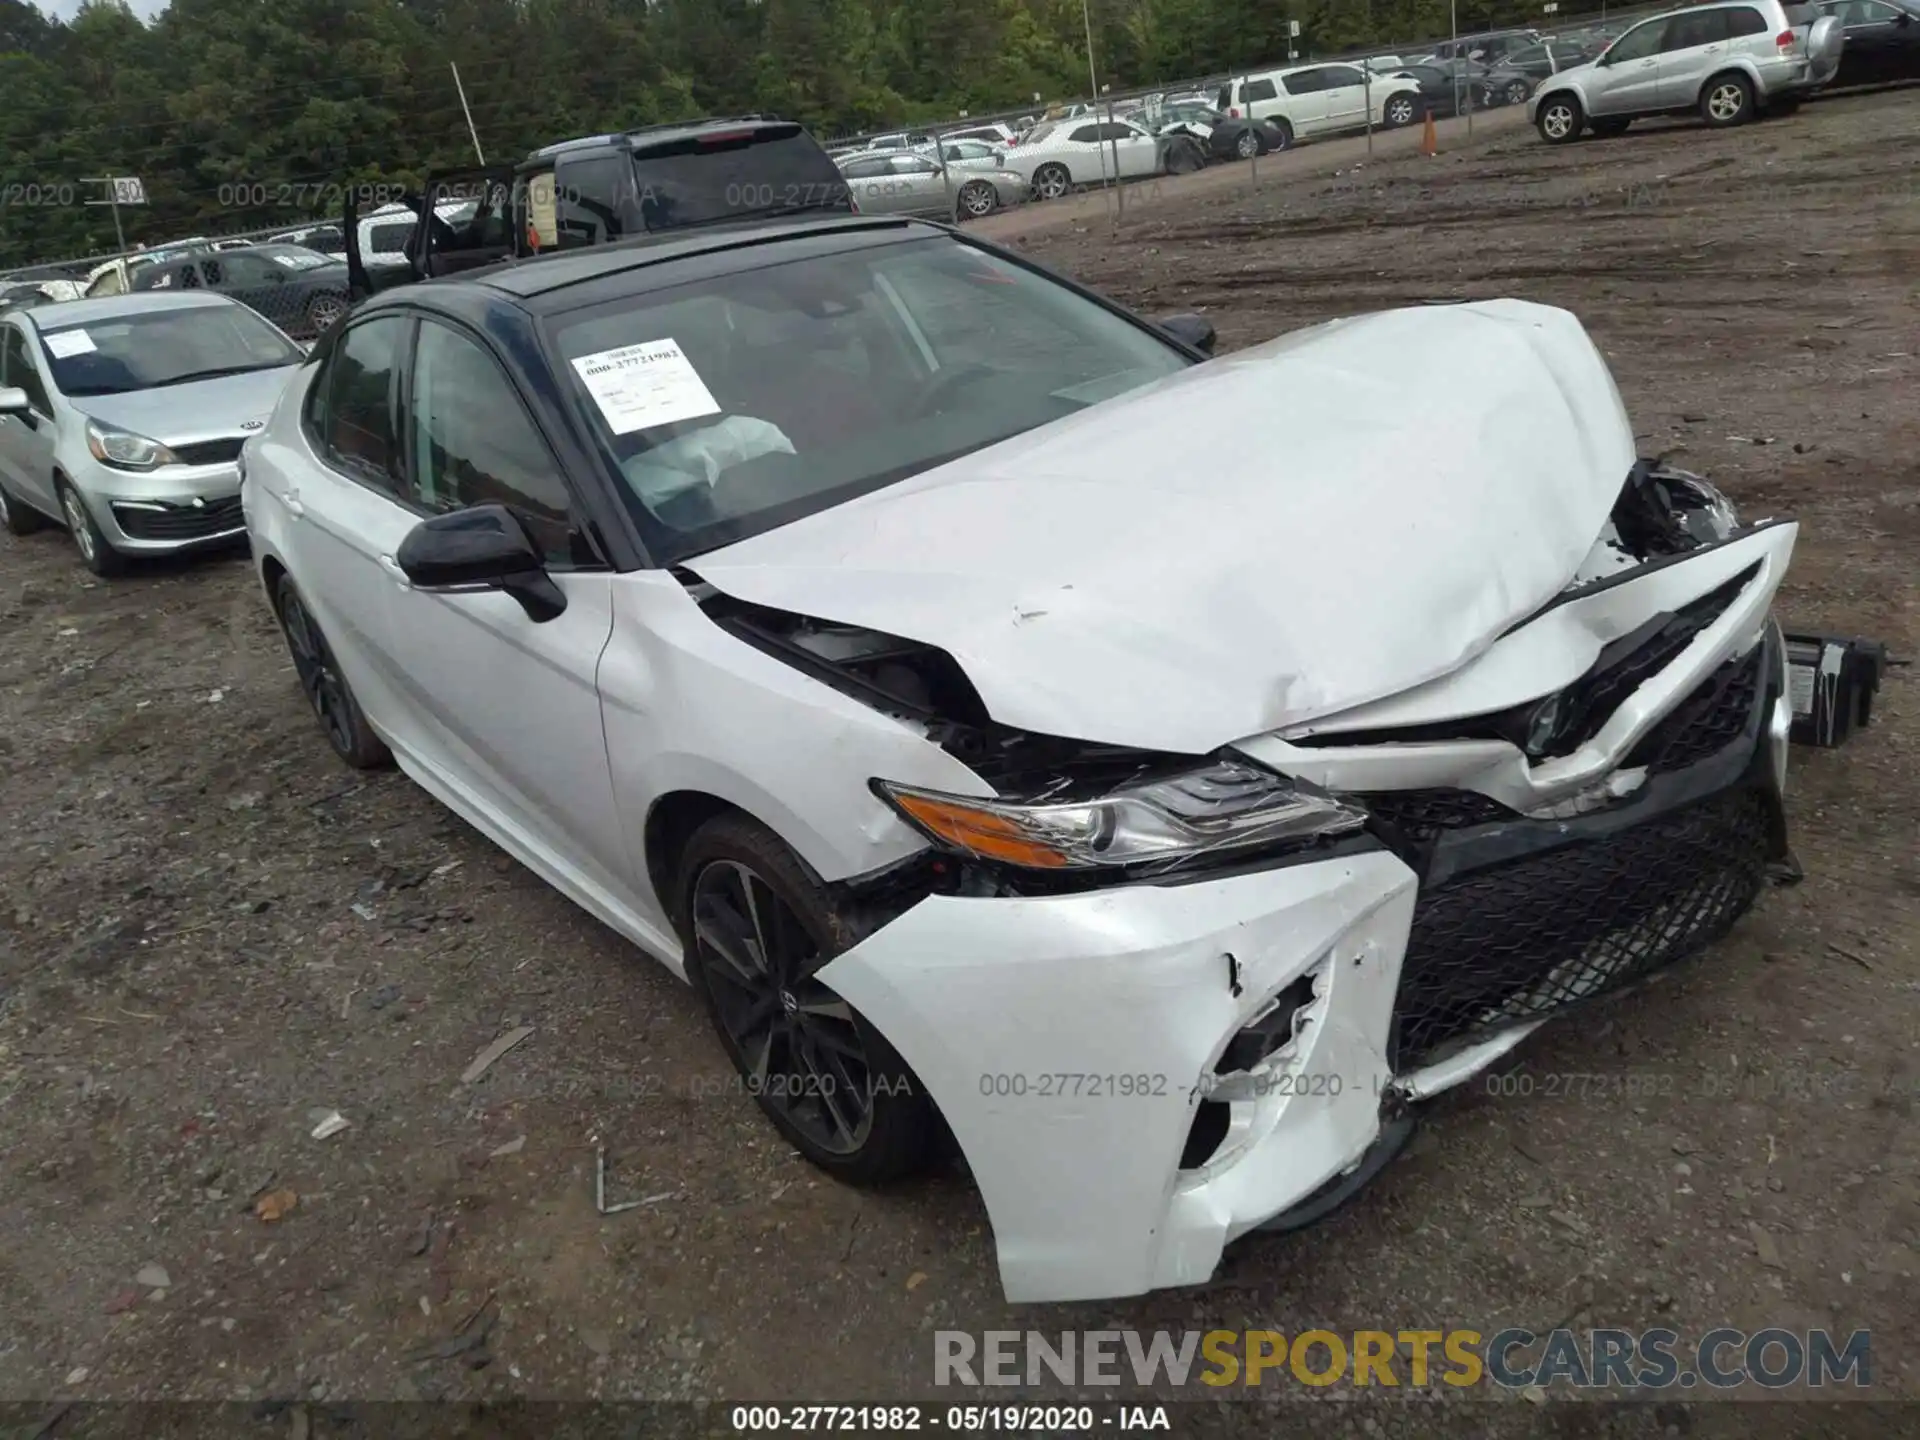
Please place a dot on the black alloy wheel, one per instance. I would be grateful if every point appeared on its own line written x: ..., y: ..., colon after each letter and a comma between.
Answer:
x: 326, y: 689
x: 800, y: 1050
x: 759, y: 927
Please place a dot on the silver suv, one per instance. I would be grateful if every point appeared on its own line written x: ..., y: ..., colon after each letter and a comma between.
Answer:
x: 1727, y: 62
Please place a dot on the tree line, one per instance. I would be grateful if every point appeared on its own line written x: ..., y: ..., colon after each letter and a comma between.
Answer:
x: 238, y: 115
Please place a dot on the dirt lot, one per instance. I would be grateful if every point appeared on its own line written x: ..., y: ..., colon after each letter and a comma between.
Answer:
x: 210, y: 930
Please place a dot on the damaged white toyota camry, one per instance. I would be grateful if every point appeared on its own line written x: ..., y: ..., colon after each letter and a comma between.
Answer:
x: 1152, y: 775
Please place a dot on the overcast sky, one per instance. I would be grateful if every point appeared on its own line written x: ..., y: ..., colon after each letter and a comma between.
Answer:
x: 63, y: 9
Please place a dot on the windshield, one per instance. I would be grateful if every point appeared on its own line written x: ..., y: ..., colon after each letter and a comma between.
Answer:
x: 294, y: 257
x: 152, y: 348
x: 740, y: 404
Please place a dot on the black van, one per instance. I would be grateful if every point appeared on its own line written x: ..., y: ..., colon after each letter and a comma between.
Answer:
x: 605, y: 187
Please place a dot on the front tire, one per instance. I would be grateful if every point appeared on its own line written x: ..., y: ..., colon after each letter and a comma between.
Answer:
x: 1559, y: 119
x: 1516, y: 93
x: 333, y: 702
x: 1050, y: 182
x: 758, y: 927
x: 977, y: 200
x: 96, y: 552
x: 1399, y: 112
x: 1726, y: 100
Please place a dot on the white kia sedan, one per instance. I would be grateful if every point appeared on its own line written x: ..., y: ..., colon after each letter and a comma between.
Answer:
x: 1152, y: 775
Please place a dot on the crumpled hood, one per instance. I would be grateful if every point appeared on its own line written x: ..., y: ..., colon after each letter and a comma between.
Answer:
x: 1318, y: 522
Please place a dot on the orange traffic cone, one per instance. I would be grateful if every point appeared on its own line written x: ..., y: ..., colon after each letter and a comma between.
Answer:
x: 1429, y: 140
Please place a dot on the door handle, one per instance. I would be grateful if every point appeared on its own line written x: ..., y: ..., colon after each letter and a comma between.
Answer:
x: 294, y: 507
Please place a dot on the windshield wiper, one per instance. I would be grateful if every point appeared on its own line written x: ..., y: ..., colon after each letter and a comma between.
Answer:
x: 214, y: 374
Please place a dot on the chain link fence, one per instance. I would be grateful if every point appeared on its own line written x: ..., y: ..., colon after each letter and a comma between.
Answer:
x: 1596, y: 28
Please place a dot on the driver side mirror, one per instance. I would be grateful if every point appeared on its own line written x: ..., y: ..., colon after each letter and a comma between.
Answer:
x: 1194, y: 330
x: 13, y: 401
x: 484, y: 547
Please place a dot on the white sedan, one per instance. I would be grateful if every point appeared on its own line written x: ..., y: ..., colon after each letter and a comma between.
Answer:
x: 1154, y: 775
x: 1057, y: 157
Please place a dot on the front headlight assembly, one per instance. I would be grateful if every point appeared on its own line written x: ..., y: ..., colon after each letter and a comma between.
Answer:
x: 1220, y: 807
x: 124, y: 450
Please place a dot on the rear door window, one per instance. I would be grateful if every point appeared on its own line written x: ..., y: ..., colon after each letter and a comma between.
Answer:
x: 390, y: 238
x: 595, y: 198
x: 351, y: 416
x: 1694, y: 28
x: 1744, y: 20
x: 1306, y: 82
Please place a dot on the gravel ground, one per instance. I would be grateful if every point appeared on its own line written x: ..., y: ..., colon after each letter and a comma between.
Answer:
x: 212, y: 934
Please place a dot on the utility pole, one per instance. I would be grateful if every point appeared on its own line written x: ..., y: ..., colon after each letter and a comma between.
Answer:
x: 1093, y: 96
x: 478, y: 153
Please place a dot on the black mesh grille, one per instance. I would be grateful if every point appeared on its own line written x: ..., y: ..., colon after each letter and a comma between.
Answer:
x: 1522, y: 940
x: 1713, y: 717
x: 1423, y: 814
x: 1587, y: 704
x: 181, y: 522
x: 210, y: 452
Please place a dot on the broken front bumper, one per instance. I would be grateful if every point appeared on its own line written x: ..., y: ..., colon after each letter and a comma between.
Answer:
x: 1066, y: 1039
x: 1139, y: 1075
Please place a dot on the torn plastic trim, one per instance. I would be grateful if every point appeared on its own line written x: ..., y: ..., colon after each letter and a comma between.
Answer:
x: 924, y: 686
x: 1461, y: 1065
x: 1500, y: 770
x: 1558, y: 724
x: 1644, y: 568
x: 1663, y: 511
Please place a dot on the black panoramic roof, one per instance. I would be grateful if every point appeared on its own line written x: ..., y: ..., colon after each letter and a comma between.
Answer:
x: 599, y: 274
x: 542, y: 275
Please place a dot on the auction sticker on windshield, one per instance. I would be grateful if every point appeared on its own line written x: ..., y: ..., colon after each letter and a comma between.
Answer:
x: 68, y: 343
x: 640, y: 386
